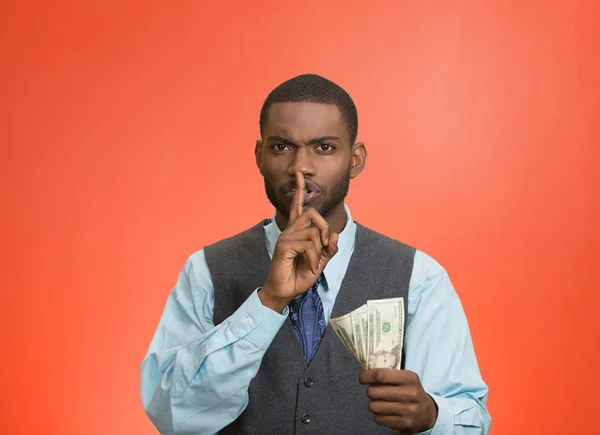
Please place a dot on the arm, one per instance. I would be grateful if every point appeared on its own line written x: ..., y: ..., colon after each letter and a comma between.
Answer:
x: 441, y: 391
x: 195, y: 376
x: 439, y: 348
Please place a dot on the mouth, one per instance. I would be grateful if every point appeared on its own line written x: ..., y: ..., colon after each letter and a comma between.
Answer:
x: 309, y: 195
x: 311, y: 192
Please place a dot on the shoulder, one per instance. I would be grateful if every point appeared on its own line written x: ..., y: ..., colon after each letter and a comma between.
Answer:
x: 244, y: 251
x: 195, y: 269
x: 372, y: 239
x: 426, y: 268
x: 247, y: 237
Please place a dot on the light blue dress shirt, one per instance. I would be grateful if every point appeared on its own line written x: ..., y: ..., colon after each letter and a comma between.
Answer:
x: 195, y: 376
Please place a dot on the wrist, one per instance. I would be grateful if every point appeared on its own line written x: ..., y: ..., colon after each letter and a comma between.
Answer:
x: 269, y: 301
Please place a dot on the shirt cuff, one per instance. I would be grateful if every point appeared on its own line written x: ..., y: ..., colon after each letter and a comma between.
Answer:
x: 256, y: 323
x: 444, y: 424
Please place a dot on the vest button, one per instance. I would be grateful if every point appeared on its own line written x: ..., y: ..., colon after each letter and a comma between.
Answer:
x: 309, y: 382
x: 306, y: 419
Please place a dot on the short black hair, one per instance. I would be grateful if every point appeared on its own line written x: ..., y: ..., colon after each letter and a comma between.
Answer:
x: 312, y: 88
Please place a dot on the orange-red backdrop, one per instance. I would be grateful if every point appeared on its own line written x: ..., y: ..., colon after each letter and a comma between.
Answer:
x: 127, y: 136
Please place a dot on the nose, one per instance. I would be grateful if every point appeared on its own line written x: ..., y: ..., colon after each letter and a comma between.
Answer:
x: 302, y: 162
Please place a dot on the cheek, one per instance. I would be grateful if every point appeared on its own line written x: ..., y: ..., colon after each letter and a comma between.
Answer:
x: 274, y: 166
x: 335, y: 169
x: 272, y: 178
x: 332, y: 176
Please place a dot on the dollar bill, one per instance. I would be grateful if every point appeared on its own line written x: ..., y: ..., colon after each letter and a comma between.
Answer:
x: 344, y: 330
x: 360, y: 324
x: 385, y: 333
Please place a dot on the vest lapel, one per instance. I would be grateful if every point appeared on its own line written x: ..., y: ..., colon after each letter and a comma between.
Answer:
x: 348, y: 296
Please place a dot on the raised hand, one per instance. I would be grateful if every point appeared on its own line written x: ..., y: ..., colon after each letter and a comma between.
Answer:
x: 301, y: 253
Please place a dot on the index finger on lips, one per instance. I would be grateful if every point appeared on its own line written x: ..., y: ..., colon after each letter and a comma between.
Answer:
x: 297, y: 205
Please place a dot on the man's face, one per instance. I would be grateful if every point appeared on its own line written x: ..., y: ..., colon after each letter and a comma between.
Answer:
x: 310, y: 138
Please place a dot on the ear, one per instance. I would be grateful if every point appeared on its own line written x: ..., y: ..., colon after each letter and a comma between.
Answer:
x: 258, y: 155
x: 359, y: 159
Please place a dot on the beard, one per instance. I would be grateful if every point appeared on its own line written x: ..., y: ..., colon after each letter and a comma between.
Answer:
x: 330, y: 198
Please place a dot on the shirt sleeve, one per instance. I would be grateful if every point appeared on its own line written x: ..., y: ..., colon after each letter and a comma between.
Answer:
x: 195, y: 376
x: 439, y: 348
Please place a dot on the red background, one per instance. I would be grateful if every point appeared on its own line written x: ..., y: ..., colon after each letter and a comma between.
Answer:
x: 127, y: 134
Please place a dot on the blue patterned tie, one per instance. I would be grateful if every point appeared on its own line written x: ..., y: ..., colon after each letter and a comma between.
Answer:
x: 308, y: 321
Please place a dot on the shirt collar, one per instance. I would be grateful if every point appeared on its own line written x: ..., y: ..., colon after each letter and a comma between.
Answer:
x: 336, y: 268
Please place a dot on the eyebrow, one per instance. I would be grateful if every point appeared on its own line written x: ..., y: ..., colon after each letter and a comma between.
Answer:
x: 310, y: 142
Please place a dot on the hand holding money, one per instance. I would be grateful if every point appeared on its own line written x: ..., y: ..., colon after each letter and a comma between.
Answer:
x: 374, y: 333
x: 398, y: 400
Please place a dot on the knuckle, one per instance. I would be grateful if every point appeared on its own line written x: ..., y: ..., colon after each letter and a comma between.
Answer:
x: 413, y: 394
x: 407, y: 423
x: 411, y: 423
x: 412, y: 375
x: 413, y: 409
x: 283, y: 236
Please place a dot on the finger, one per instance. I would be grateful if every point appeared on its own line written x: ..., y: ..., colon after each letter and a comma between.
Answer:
x: 313, y: 235
x: 293, y: 248
x: 331, y: 248
x: 327, y: 252
x: 386, y: 376
x: 313, y: 254
x: 393, y: 393
x: 310, y: 233
x: 297, y: 205
x: 311, y: 218
x: 390, y: 408
x: 388, y: 393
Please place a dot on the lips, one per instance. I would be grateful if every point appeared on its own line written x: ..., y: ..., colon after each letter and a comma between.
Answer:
x: 311, y: 191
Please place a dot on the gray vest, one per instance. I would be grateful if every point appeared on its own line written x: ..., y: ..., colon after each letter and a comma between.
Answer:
x: 286, y: 396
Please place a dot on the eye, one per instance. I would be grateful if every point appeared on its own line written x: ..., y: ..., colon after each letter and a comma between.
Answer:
x: 325, y: 147
x: 279, y: 147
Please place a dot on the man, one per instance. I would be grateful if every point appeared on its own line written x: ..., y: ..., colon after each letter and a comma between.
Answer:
x: 243, y: 344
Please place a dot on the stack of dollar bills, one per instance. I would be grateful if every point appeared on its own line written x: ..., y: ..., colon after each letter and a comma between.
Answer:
x: 373, y: 333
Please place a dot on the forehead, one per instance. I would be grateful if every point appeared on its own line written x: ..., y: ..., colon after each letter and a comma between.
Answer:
x: 305, y: 121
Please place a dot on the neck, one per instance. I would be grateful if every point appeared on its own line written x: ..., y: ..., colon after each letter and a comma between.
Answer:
x: 336, y: 219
